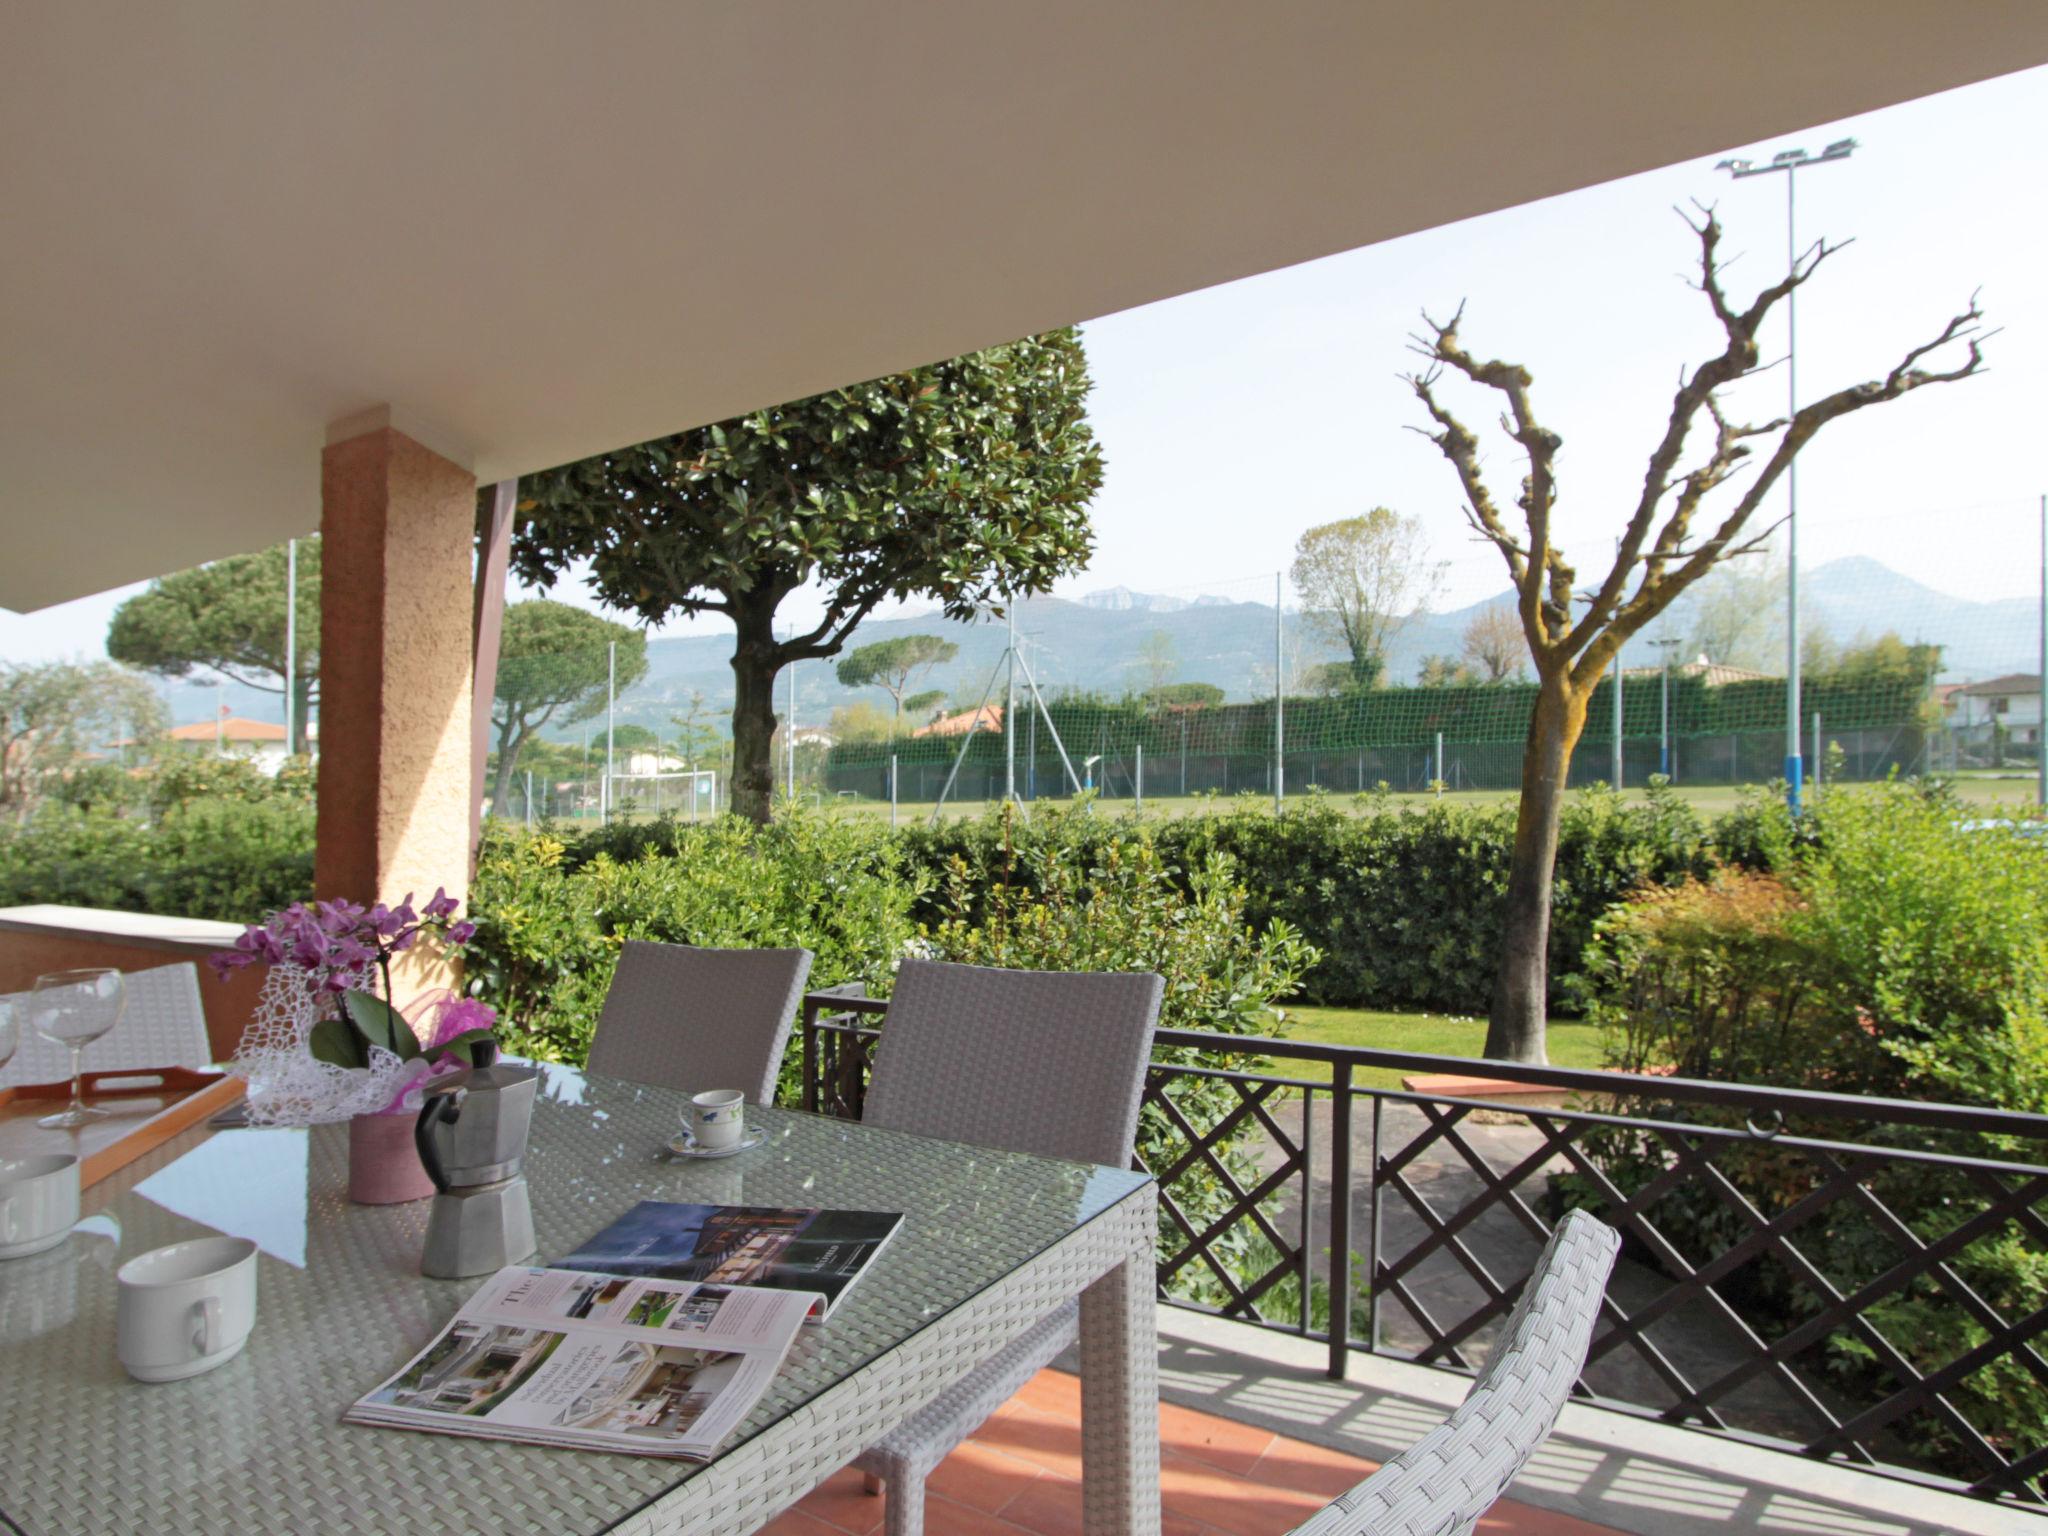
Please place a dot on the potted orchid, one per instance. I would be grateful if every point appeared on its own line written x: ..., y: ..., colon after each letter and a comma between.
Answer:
x: 331, y: 1042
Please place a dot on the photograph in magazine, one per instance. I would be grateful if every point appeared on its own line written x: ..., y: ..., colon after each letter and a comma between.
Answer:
x: 607, y: 1362
x: 810, y: 1250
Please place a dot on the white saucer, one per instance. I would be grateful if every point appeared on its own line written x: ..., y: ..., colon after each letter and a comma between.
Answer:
x: 33, y: 1245
x: 685, y: 1145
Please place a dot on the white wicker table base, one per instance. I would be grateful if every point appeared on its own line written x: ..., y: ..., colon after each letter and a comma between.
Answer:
x: 1110, y: 1261
x: 992, y: 1242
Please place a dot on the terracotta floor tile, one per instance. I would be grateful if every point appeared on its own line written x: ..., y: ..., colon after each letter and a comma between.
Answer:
x: 942, y: 1517
x: 1019, y: 1476
x: 1043, y: 1439
x: 794, y: 1522
x: 1052, y: 1507
x: 841, y: 1502
x: 1233, y: 1504
x: 1220, y: 1442
x: 1053, y: 1392
x: 982, y: 1477
x: 1509, y: 1518
x: 1311, y: 1468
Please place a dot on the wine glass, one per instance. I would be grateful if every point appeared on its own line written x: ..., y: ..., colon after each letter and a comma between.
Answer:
x: 10, y: 1031
x: 75, y: 1008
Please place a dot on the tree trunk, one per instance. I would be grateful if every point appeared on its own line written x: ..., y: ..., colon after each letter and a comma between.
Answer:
x: 755, y: 662
x: 1515, y: 1030
x: 509, y: 747
x: 302, y: 704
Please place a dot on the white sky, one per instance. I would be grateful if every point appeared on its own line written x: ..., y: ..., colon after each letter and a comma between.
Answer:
x: 1234, y: 418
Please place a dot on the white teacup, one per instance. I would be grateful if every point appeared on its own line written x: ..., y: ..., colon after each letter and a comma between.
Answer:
x: 186, y: 1308
x: 717, y: 1118
x: 38, y: 1202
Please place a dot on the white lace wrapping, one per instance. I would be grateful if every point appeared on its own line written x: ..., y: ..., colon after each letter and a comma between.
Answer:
x: 287, y: 1086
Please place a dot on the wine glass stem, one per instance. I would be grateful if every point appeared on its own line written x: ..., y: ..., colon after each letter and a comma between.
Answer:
x: 77, y: 1079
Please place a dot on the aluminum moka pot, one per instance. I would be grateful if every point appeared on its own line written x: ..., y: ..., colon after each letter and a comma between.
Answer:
x: 471, y: 1134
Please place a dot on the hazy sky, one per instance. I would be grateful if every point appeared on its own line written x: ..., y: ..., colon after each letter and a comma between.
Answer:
x: 1234, y: 418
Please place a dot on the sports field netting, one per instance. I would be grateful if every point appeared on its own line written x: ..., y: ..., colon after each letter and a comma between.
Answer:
x: 1171, y: 694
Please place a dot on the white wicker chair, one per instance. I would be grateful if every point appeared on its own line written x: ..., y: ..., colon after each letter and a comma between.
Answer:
x: 679, y: 1017
x: 1450, y: 1477
x: 162, y: 1025
x: 1046, y: 1062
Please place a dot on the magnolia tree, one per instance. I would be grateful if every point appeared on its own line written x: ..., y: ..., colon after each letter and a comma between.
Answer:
x: 962, y: 482
x: 1669, y: 542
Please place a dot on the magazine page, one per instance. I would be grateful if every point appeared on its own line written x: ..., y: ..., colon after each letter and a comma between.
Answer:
x: 819, y: 1251
x: 595, y: 1362
x: 709, y: 1316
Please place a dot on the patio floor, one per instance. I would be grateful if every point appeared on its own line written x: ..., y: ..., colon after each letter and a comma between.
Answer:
x: 1019, y: 1474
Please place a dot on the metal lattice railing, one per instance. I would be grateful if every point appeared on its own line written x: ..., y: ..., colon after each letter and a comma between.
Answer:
x: 1803, y: 1270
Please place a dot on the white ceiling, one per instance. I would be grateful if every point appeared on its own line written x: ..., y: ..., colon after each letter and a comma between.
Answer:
x: 538, y: 231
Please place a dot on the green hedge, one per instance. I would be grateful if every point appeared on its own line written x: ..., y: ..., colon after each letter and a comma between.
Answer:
x: 1403, y: 905
x: 229, y: 859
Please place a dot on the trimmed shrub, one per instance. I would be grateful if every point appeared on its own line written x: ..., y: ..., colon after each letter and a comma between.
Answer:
x: 1899, y: 949
x: 1402, y: 905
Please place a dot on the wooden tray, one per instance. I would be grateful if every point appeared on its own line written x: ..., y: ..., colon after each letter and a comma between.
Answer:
x: 146, y: 1107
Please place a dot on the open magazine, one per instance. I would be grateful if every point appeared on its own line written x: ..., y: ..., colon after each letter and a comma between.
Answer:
x: 818, y: 1252
x: 595, y: 1362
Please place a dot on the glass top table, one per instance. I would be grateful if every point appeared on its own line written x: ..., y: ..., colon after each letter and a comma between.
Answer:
x: 991, y: 1241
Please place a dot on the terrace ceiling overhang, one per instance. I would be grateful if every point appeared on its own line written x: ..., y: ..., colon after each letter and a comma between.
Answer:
x: 537, y: 231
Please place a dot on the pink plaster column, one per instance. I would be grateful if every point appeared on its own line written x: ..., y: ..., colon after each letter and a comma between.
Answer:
x: 397, y: 524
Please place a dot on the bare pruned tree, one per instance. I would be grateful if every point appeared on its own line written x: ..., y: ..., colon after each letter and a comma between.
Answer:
x: 1493, y: 644
x: 1668, y: 543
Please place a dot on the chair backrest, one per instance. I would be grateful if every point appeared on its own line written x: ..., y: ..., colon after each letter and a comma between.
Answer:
x: 1049, y: 1062
x: 1450, y: 1477
x: 162, y: 1025
x: 679, y: 1017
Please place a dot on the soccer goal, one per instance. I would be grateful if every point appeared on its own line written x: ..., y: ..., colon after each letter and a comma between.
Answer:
x: 691, y: 792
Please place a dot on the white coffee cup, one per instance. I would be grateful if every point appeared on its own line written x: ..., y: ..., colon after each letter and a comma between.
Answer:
x: 186, y: 1308
x: 717, y: 1118
x: 38, y: 1202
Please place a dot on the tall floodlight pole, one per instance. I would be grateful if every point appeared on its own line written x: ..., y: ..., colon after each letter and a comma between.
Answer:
x: 1666, y: 645
x: 1790, y: 162
x: 291, y: 637
x: 1279, y: 703
x: 1010, y: 707
x: 611, y: 691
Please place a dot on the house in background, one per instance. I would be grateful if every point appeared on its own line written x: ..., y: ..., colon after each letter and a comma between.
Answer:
x: 2012, y: 702
x: 260, y: 741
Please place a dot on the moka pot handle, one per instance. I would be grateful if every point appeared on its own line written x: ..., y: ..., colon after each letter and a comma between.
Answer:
x: 440, y: 1109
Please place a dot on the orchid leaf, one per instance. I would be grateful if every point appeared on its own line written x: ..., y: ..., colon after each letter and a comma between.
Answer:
x: 334, y: 1042
x: 461, y: 1047
x: 381, y: 1024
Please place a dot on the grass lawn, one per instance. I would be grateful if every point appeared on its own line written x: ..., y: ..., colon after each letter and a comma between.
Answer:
x: 1572, y: 1044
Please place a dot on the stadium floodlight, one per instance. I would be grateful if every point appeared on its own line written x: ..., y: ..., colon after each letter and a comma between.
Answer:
x: 1791, y: 162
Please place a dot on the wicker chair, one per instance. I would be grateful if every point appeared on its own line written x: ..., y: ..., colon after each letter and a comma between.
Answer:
x: 162, y: 1025
x: 1047, y: 1062
x: 1450, y: 1477
x: 679, y: 1017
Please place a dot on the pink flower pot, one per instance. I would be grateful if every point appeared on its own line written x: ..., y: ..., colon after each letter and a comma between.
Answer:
x: 383, y: 1163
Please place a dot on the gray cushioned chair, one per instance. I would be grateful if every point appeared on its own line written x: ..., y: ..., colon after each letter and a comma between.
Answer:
x: 1046, y: 1062
x: 1454, y: 1474
x: 699, y: 1019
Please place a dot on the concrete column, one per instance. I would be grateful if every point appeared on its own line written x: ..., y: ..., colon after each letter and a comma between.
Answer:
x: 397, y: 523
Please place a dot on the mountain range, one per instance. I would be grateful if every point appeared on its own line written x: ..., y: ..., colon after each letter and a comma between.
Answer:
x: 1119, y: 640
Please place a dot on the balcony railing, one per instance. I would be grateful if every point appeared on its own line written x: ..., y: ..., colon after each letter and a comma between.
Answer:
x: 1802, y: 1270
